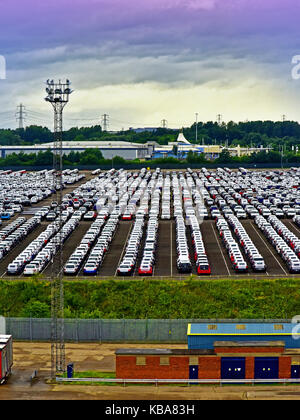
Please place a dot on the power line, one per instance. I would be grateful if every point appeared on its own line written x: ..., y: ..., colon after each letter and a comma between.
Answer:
x: 164, y: 123
x: 105, y: 122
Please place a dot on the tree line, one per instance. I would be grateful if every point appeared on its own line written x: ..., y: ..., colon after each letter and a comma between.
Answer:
x: 94, y: 157
x: 276, y: 134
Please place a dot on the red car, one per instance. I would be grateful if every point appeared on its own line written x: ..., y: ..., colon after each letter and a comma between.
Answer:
x: 203, y: 269
x: 127, y: 216
x: 146, y: 270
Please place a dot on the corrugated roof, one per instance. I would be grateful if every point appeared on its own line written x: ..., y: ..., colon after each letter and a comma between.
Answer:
x: 243, y: 329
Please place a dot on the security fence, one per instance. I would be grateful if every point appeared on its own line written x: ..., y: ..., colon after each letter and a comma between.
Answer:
x: 111, y: 330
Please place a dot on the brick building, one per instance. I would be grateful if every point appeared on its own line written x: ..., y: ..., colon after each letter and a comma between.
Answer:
x: 225, y: 359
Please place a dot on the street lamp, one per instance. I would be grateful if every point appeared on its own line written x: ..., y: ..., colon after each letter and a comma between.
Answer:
x: 58, y: 96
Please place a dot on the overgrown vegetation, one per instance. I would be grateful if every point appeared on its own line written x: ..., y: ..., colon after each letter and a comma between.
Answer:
x: 155, y: 299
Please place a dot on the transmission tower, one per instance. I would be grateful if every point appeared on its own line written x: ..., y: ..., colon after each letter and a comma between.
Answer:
x: 20, y: 115
x: 219, y: 119
x: 105, y: 122
x: 164, y: 123
x: 58, y: 95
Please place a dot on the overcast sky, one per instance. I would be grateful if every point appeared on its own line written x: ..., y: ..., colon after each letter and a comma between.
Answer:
x: 141, y: 61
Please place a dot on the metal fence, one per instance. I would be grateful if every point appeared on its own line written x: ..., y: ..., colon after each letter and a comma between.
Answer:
x: 111, y: 330
x: 179, y: 381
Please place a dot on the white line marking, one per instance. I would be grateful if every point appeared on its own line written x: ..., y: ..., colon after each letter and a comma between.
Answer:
x: 220, y: 249
x: 122, y: 253
x: 268, y: 248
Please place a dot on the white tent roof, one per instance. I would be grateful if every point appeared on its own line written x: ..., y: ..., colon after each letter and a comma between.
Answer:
x: 182, y: 139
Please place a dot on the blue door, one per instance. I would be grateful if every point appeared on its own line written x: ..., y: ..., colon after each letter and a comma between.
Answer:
x: 193, y: 372
x: 295, y: 371
x: 232, y: 367
x: 266, y: 368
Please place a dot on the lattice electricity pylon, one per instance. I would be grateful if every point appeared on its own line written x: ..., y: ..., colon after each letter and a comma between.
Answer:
x: 58, y: 95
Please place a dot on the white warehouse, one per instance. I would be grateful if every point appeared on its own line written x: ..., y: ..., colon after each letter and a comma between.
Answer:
x: 109, y: 150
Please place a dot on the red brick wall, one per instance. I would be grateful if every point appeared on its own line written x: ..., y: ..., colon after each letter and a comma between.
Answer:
x: 126, y: 368
x: 285, y: 367
x: 249, y: 368
x: 209, y: 368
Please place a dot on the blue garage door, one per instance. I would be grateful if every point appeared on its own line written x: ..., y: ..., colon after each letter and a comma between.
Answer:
x: 295, y: 371
x: 193, y: 372
x: 266, y: 368
x: 232, y: 368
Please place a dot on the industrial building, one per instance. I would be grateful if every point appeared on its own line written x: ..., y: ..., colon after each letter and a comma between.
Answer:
x: 132, y: 151
x: 219, y: 351
x: 203, y: 336
x: 182, y: 147
x: 109, y: 150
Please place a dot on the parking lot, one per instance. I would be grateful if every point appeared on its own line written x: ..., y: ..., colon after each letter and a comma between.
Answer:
x: 219, y: 223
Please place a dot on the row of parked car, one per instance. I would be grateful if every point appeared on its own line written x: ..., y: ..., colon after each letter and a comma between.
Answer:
x: 250, y: 193
x: 26, y: 257
x: 98, y: 252
x: 290, y: 238
x: 236, y: 257
x: 166, y: 208
x: 129, y: 259
x: 200, y: 256
x: 48, y: 252
x: 256, y: 260
x: 11, y: 227
x: 283, y: 249
x: 183, y: 254
x: 7, y: 244
x: 22, y: 188
x: 81, y: 252
x: 150, y: 246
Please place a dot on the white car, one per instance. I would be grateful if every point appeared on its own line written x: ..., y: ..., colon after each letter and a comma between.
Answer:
x: 70, y: 269
x: 31, y: 269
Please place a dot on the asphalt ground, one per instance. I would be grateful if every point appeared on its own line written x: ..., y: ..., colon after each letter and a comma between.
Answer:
x: 166, y: 255
x: 165, y: 265
x: 116, y: 250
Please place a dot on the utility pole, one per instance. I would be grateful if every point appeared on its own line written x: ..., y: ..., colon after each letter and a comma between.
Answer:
x: 281, y: 156
x: 164, y: 123
x: 58, y: 96
x: 105, y: 122
x: 284, y: 118
x: 20, y: 115
x: 196, y: 127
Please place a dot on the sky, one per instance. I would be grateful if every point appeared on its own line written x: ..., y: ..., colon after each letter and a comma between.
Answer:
x: 144, y: 61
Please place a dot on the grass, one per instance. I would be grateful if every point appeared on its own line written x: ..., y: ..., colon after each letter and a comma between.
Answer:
x: 189, y: 298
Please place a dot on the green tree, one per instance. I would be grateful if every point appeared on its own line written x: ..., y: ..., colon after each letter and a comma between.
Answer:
x: 224, y: 157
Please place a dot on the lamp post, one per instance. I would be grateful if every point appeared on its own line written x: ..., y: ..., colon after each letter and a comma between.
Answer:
x: 58, y: 94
